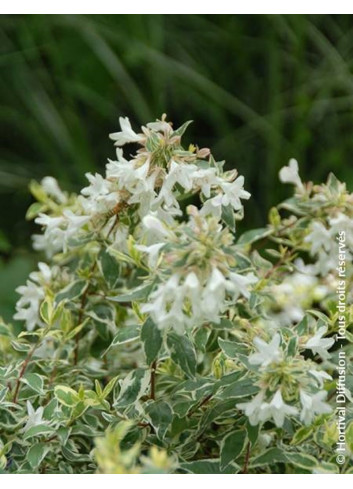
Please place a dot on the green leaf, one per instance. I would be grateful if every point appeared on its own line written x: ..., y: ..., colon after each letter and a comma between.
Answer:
x: 232, y: 349
x: 302, y: 434
x: 161, y: 415
x: 66, y: 396
x: 201, y: 338
x: 242, y: 388
x: 228, y: 216
x: 34, y: 381
x: 302, y: 460
x: 253, y: 235
x: 253, y: 432
x: 39, y: 430
x: 109, y: 268
x: 133, y: 387
x: 139, y: 294
x: 292, y: 346
x: 270, y: 456
x: 151, y: 338
x: 109, y: 387
x: 182, y: 353
x: 232, y: 446
x: 180, y: 131
x: 34, y: 209
x: 216, y: 411
x: 125, y: 335
x: 207, y: 466
x: 36, y: 454
x: 46, y: 311
x: 72, y: 291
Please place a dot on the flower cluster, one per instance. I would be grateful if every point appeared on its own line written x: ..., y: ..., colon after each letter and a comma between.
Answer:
x: 288, y: 376
x: 196, y: 272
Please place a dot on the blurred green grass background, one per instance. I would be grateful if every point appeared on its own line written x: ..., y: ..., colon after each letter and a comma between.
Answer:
x: 260, y: 89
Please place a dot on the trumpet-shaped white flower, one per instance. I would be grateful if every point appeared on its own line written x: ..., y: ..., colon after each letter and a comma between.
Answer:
x: 155, y: 226
x: 319, y: 238
x: 290, y: 174
x: 51, y: 187
x: 267, y: 352
x: 32, y: 294
x: 126, y: 135
x: 233, y: 192
x: 152, y: 251
x: 205, y: 179
x: 98, y: 187
x: 318, y: 344
x: 239, y: 284
x: 58, y: 230
x: 312, y: 405
x: 166, y: 305
x: 213, y: 297
x: 258, y: 410
x: 320, y: 376
x: 35, y: 417
x: 277, y: 409
x: 252, y: 408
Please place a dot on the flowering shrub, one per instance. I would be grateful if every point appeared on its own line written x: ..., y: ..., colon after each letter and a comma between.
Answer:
x: 155, y: 339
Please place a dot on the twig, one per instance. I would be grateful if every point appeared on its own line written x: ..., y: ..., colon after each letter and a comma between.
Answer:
x: 80, y: 316
x: 246, y: 461
x: 79, y: 321
x: 280, y: 262
x: 153, y: 380
x: 204, y: 401
x: 23, y: 370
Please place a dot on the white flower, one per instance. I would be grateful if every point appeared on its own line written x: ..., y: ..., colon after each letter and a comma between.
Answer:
x: 98, y: 186
x: 179, y: 173
x: 27, y: 306
x: 74, y: 222
x: 32, y: 294
x: 267, y: 352
x: 229, y: 193
x: 44, y: 274
x: 212, y: 207
x: 259, y: 411
x: 34, y: 417
x: 114, y: 168
x: 290, y: 174
x: 342, y: 222
x: 58, y: 230
x: 126, y: 135
x: 51, y: 187
x: 312, y: 405
x: 204, y: 178
x: 320, y: 376
x: 160, y: 126
x: 213, y: 296
x: 166, y: 305
x: 320, y: 345
x: 239, y: 284
x: 155, y: 226
x: 152, y: 251
x: 252, y: 408
x: 51, y: 223
x: 319, y: 237
x: 233, y: 192
x: 277, y: 409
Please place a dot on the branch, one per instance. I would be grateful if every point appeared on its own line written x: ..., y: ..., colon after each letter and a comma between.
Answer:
x: 246, y: 461
x: 153, y: 380
x: 23, y: 370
